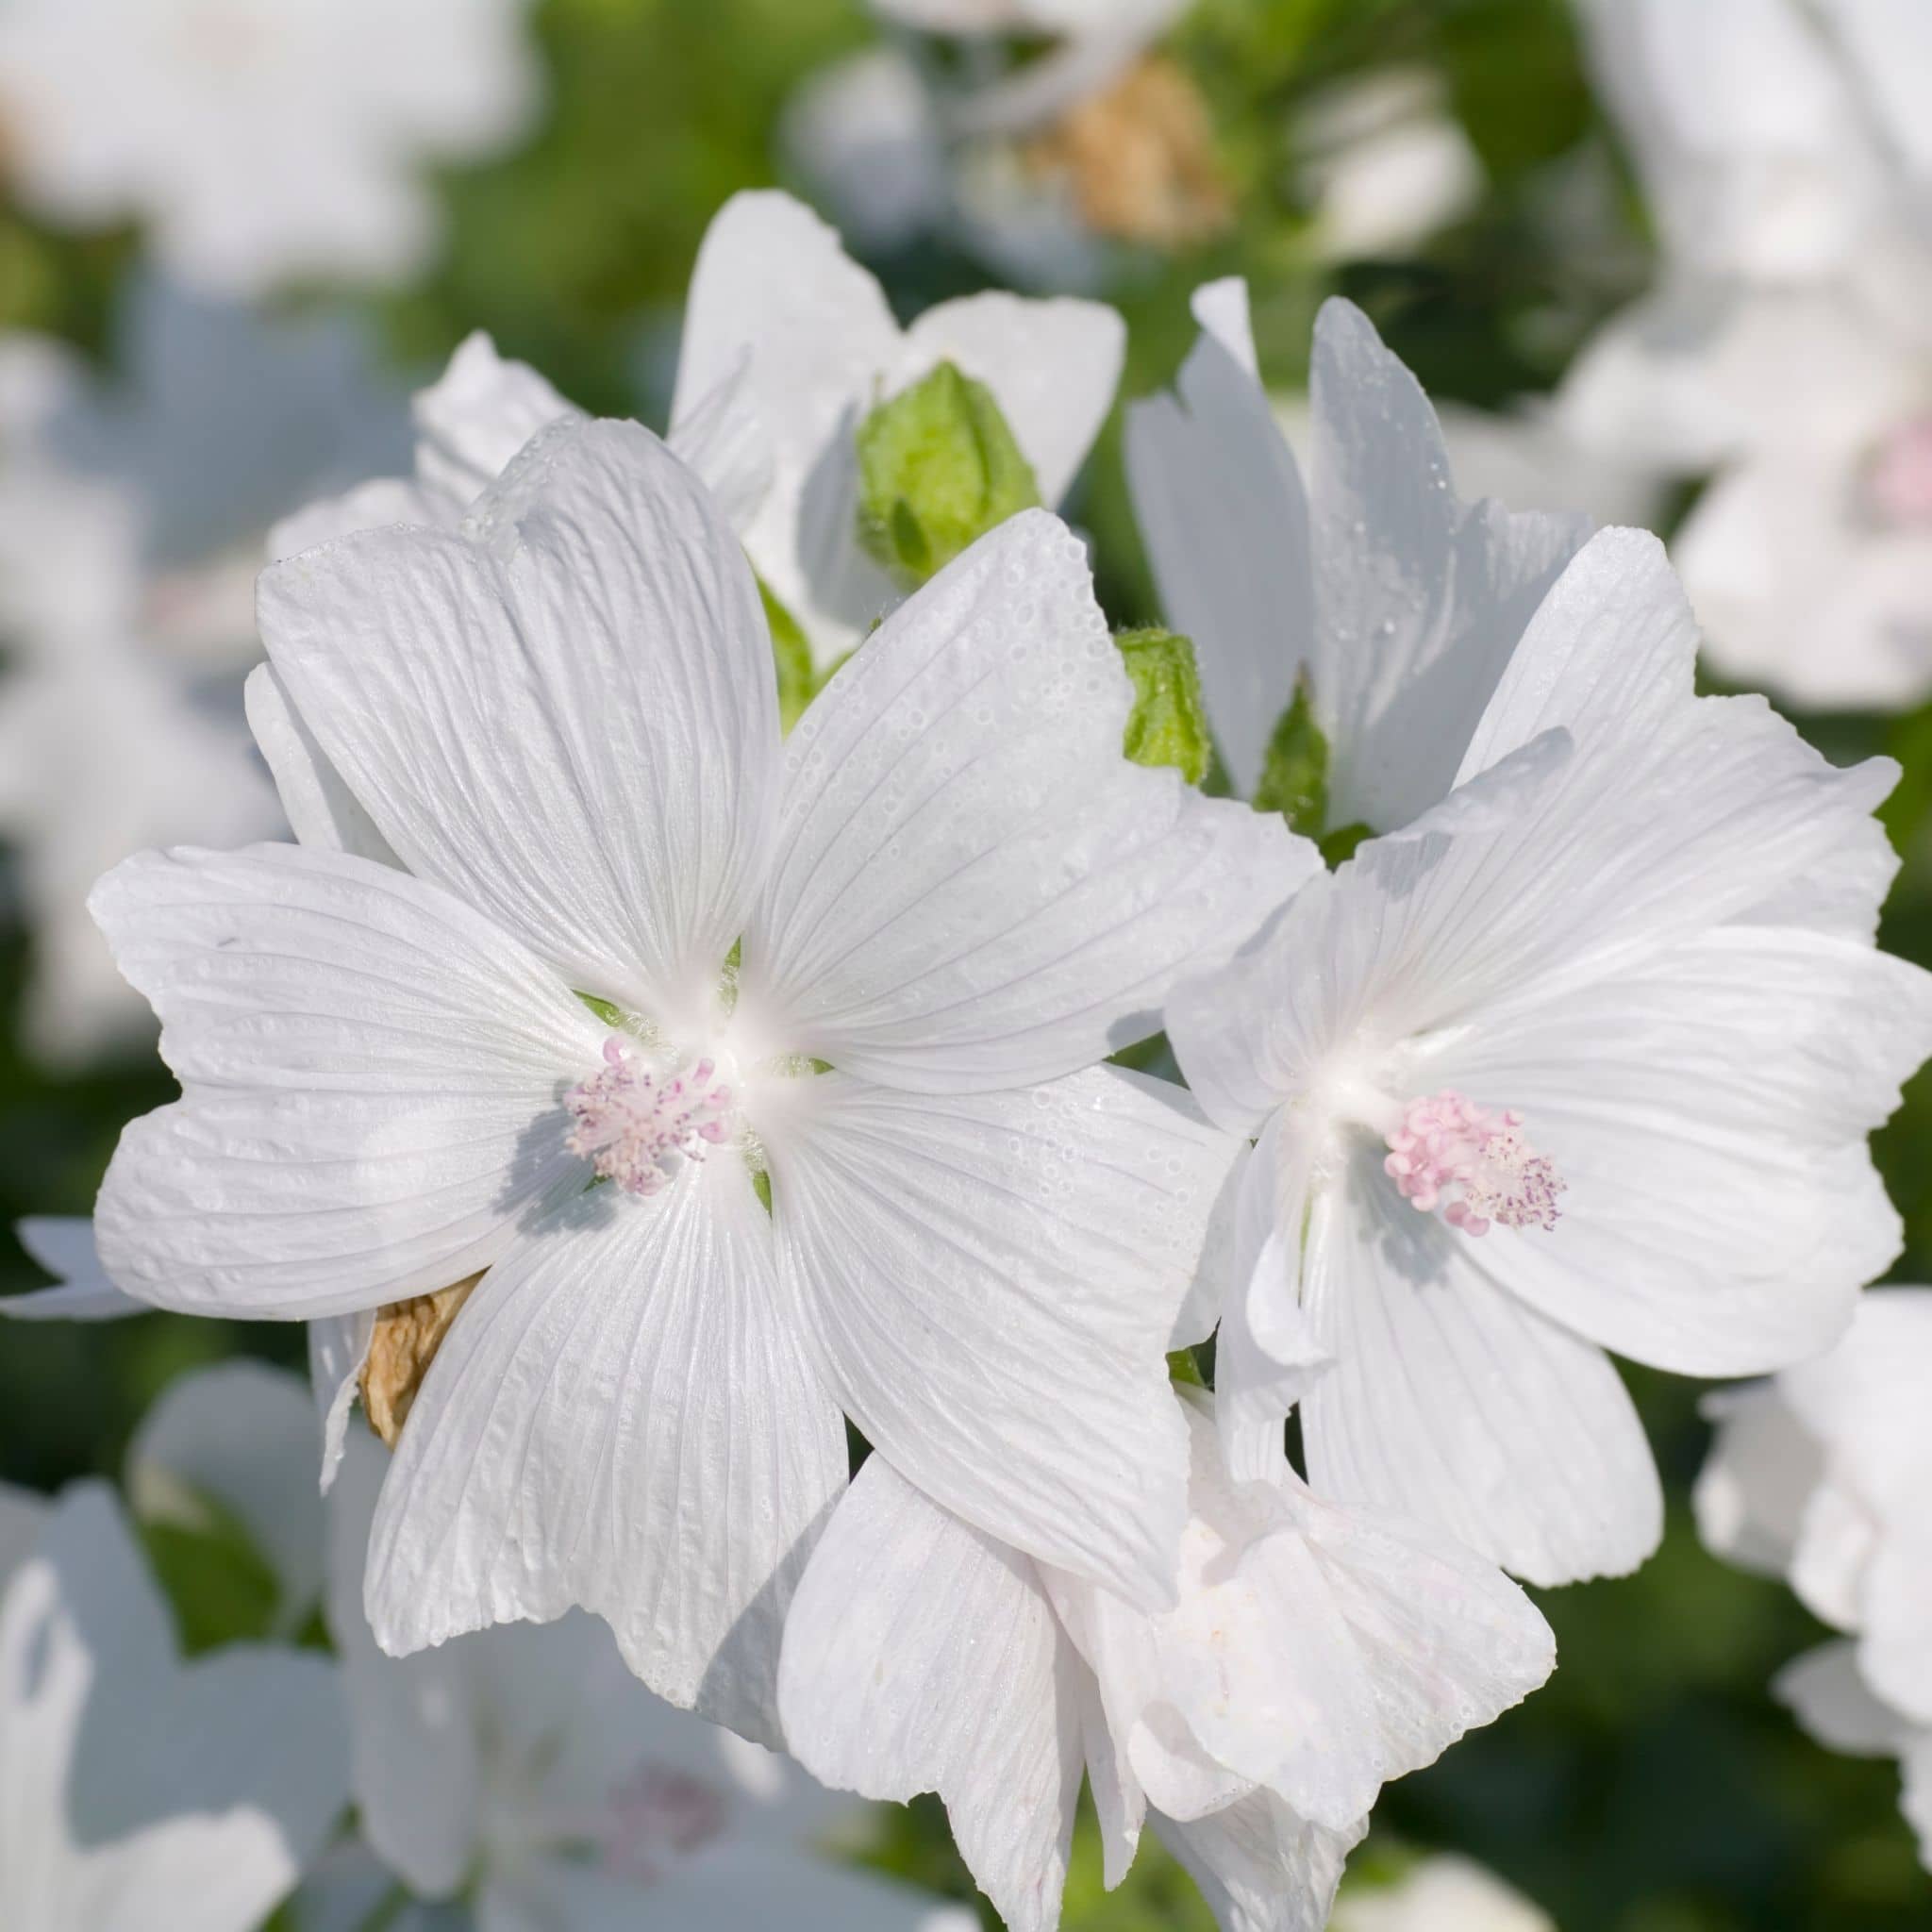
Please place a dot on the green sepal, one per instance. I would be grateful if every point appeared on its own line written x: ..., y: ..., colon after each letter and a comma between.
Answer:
x: 1168, y: 724
x: 791, y: 653
x: 1295, y: 777
x: 1183, y: 1369
x: 1339, y: 844
x: 610, y: 1015
x: 219, y: 1585
x: 937, y: 469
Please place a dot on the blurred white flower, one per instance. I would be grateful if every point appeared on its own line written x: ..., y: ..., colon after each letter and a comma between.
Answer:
x: 525, y: 1769
x: 131, y: 523
x: 951, y: 885
x: 776, y: 297
x: 1443, y: 1893
x: 1788, y: 346
x: 1384, y: 164
x: 261, y: 141
x: 141, y: 1790
x: 1314, y: 1653
x: 1632, y: 915
x: 1820, y: 1476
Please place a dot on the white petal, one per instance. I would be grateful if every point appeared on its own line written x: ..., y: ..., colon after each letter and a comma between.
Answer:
x: 722, y: 439
x: 1762, y: 1468
x: 242, y: 1434
x: 973, y: 887
x: 368, y: 507
x: 993, y: 1281
x: 137, y: 1792
x: 624, y: 1417
x: 1420, y: 599
x: 338, y: 1353
x: 1895, y: 1654
x: 65, y: 1247
x: 417, y: 1723
x: 772, y: 280
x: 1226, y: 521
x: 371, y: 1075
x: 475, y: 418
x: 1708, y: 1109
x: 1051, y: 365
x: 920, y: 1656
x: 1835, y: 1706
x: 321, y: 811
x: 567, y: 716
x: 760, y: 1886
x: 1259, y: 1867
x: 1453, y: 1403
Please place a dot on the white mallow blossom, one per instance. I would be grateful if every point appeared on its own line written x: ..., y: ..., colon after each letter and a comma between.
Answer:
x: 131, y: 523
x: 774, y: 296
x: 1788, y: 345
x: 143, y: 1791
x: 1315, y: 1651
x: 261, y: 141
x: 1583, y: 1057
x: 1820, y: 1476
x: 631, y: 931
x: 1443, y: 1893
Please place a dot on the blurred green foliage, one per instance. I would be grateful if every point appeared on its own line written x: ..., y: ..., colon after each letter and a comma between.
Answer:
x: 1653, y: 1786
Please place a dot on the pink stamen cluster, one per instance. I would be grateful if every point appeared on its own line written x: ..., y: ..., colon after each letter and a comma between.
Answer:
x: 637, y: 1126
x: 659, y: 1813
x: 1447, y: 1146
x: 1900, y: 480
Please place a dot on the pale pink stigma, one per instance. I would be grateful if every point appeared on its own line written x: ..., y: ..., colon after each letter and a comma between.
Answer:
x: 1900, y: 479
x: 1472, y: 1163
x: 658, y: 1814
x: 637, y: 1124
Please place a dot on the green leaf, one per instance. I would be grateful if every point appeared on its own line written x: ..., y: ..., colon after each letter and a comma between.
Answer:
x: 937, y: 469
x: 219, y: 1585
x: 797, y: 685
x: 1168, y: 722
x: 1294, y: 778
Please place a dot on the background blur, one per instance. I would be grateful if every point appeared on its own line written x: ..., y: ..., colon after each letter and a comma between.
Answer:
x: 1653, y: 1786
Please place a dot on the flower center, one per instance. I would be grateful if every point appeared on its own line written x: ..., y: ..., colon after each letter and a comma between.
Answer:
x: 639, y: 1119
x: 1472, y: 1162
x: 1900, y: 479
x: 659, y: 1813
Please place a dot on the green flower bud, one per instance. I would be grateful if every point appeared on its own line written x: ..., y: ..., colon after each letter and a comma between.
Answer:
x: 1168, y: 722
x: 937, y: 469
x: 1294, y: 778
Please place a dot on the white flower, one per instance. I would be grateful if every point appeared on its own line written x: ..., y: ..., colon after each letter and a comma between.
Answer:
x: 1314, y: 1653
x: 1443, y: 1893
x: 1401, y: 603
x: 950, y: 885
x: 1783, y: 149
x: 261, y: 139
x: 131, y: 520
x: 774, y: 295
x: 1583, y: 1057
x: 143, y: 1791
x: 1819, y: 1476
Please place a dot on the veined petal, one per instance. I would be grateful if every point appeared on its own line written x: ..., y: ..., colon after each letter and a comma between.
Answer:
x: 922, y: 1656
x: 624, y: 1417
x: 567, y: 716
x: 991, y: 1282
x: 322, y: 811
x: 1453, y: 1403
x: 371, y: 1077
x: 1220, y: 505
x: 1708, y: 1109
x: 1052, y: 366
x: 1420, y: 599
x: 338, y: 1353
x: 722, y: 437
x: 1259, y: 1867
x: 973, y: 887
